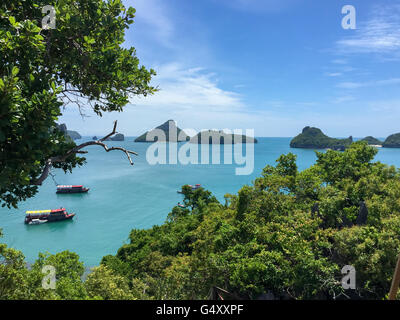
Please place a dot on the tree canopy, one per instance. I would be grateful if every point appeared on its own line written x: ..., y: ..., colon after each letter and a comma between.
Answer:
x: 289, y: 234
x: 81, y: 62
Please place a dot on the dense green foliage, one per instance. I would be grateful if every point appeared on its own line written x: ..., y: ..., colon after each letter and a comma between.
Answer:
x: 393, y: 141
x: 289, y: 234
x: 18, y: 282
x: 372, y: 141
x: 266, y: 239
x: 314, y: 138
x: 81, y: 60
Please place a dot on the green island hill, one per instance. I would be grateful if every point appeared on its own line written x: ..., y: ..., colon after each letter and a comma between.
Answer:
x: 314, y: 138
x: 372, y: 141
x: 167, y: 127
x: 117, y: 137
x: 220, y: 137
x: 393, y: 141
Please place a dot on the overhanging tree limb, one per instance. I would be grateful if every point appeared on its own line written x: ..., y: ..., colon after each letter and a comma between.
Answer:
x: 78, y: 150
x: 83, y: 62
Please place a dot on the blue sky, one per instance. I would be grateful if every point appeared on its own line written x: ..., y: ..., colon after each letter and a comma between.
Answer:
x: 274, y: 66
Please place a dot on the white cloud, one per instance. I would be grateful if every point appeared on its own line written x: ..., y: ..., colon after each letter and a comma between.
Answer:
x: 191, y: 88
x: 342, y: 99
x: 376, y: 83
x: 380, y: 34
x: 350, y: 85
x: 333, y: 74
x: 339, y: 61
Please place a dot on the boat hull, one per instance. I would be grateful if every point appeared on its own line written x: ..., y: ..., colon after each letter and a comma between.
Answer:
x: 72, y: 191
x: 50, y: 218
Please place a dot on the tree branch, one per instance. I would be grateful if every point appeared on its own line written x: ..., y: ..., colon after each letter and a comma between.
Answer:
x: 76, y: 150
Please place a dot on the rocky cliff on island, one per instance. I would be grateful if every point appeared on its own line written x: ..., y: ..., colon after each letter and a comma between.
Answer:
x: 167, y: 132
x: 393, y: 141
x: 314, y: 138
x: 220, y: 137
x: 68, y: 133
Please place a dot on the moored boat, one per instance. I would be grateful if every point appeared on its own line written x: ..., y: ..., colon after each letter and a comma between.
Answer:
x: 72, y: 189
x: 43, y: 216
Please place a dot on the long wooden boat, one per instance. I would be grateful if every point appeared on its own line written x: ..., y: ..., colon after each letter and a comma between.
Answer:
x: 72, y: 189
x: 42, y: 216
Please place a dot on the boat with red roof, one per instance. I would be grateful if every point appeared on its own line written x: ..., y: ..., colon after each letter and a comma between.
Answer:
x: 42, y: 216
x: 71, y: 189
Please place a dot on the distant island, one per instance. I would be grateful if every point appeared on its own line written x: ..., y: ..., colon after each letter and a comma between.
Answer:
x: 171, y: 134
x: 220, y: 137
x: 68, y: 133
x: 373, y: 141
x: 314, y: 138
x: 117, y: 137
x: 392, y: 141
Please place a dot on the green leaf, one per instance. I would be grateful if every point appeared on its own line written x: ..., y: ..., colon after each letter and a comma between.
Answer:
x: 12, y: 20
x: 15, y: 71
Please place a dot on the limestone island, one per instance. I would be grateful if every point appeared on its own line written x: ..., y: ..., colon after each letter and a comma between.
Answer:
x: 171, y: 133
x: 314, y: 138
x: 68, y: 133
x: 220, y: 137
x: 373, y: 141
x: 392, y: 141
x: 117, y: 137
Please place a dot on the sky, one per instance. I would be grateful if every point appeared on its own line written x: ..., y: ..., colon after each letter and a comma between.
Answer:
x: 274, y: 66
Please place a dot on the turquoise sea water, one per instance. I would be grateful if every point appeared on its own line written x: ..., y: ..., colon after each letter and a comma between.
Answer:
x: 123, y: 197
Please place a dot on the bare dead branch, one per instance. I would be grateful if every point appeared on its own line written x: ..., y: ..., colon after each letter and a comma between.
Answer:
x: 77, y: 150
x: 111, y: 134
